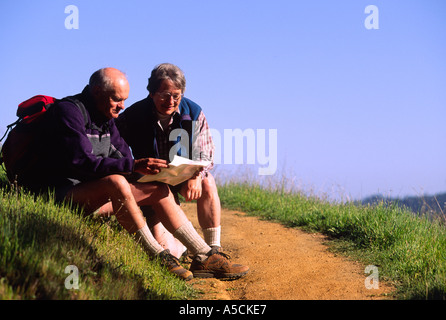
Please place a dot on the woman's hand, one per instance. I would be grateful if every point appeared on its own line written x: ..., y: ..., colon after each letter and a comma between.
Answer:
x: 192, y: 188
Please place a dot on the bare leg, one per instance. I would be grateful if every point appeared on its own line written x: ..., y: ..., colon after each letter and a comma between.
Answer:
x: 113, y: 195
x: 165, y: 207
x: 161, y: 234
x: 208, y: 206
x: 209, y: 211
x: 174, y: 220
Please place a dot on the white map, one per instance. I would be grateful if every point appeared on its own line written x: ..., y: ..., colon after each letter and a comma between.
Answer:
x: 180, y: 170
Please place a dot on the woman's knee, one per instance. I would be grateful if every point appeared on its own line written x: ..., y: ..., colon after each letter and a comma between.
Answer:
x: 161, y: 191
x: 150, y: 194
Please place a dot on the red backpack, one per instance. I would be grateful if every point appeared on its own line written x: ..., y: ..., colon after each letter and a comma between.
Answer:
x: 20, y: 152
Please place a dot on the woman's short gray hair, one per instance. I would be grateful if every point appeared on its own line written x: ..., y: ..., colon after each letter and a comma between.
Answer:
x: 166, y: 71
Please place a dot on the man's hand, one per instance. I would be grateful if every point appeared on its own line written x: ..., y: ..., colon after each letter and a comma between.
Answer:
x: 192, y: 188
x: 150, y: 165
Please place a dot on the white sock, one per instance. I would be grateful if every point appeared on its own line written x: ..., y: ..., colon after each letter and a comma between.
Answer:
x: 148, y: 241
x: 167, y: 241
x: 163, y: 240
x: 192, y: 240
x: 212, y: 236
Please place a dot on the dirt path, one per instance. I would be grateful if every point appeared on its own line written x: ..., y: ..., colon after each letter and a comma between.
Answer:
x: 285, y: 264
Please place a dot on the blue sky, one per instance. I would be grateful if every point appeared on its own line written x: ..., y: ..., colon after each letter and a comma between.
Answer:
x: 357, y: 111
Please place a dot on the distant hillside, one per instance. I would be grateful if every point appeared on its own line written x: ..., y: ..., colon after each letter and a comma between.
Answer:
x: 430, y: 205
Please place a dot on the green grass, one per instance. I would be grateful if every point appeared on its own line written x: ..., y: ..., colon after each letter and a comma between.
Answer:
x: 409, y: 251
x: 39, y: 239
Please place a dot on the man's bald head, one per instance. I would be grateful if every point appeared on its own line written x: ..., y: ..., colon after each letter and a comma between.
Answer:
x: 109, y: 88
x: 103, y: 79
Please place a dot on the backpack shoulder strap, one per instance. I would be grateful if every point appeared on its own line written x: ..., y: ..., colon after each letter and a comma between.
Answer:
x: 81, y: 107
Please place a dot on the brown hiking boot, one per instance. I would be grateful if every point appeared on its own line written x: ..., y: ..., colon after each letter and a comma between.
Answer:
x: 173, y: 265
x: 217, y: 265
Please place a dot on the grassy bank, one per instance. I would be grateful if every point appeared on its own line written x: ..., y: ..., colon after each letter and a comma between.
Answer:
x: 39, y: 240
x: 409, y: 251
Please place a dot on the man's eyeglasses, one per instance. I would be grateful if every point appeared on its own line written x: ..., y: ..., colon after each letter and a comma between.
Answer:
x: 167, y: 96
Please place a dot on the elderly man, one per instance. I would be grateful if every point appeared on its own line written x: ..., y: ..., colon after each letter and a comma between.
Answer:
x: 148, y: 125
x: 87, y: 162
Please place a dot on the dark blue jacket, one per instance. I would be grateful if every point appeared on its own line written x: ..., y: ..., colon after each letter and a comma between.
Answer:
x: 137, y: 125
